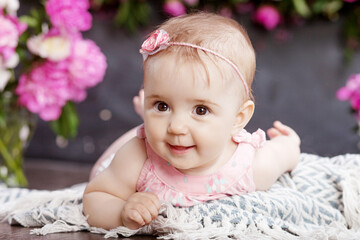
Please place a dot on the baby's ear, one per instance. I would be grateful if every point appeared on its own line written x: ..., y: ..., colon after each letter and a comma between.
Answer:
x: 244, y: 115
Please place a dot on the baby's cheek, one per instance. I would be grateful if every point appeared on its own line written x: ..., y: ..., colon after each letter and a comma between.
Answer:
x: 213, y: 140
x: 152, y: 129
x: 154, y: 135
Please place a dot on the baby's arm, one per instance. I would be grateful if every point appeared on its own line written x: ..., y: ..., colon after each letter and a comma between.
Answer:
x: 138, y: 102
x: 280, y: 154
x: 114, y: 147
x: 110, y: 199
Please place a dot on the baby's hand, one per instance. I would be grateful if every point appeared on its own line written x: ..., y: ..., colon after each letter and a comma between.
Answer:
x: 138, y: 102
x: 140, y: 209
x: 278, y: 155
x: 280, y: 129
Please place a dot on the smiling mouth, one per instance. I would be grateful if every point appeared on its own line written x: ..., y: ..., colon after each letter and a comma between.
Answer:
x: 180, y: 149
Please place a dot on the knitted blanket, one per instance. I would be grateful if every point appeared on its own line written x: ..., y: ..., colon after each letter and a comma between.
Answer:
x: 320, y: 199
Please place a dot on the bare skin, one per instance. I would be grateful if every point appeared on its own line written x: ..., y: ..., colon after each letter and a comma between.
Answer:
x: 132, y: 209
x: 184, y: 106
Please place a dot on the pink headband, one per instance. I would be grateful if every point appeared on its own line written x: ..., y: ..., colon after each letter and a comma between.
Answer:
x: 160, y: 40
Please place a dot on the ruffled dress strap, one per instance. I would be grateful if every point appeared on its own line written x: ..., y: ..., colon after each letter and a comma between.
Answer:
x: 140, y: 132
x: 256, y: 139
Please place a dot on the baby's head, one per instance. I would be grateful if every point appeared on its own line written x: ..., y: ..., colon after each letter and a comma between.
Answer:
x: 222, y: 35
x: 198, y: 71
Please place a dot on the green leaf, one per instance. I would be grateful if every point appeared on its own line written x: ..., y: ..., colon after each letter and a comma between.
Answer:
x: 143, y: 11
x: 332, y: 7
x: 40, y: 16
x: 22, y: 53
x: 318, y: 6
x: 30, y: 21
x: 99, y: 2
x: 24, y: 37
x: 67, y: 125
x: 36, y: 13
x: 2, y: 118
x: 302, y: 8
x: 123, y: 13
x: 238, y: 1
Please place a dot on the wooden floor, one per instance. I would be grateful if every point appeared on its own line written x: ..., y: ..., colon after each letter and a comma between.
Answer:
x: 51, y: 175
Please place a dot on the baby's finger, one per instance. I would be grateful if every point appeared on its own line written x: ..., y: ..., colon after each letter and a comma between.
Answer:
x: 287, y: 131
x: 153, y: 210
x: 283, y: 129
x: 155, y: 200
x: 153, y: 204
x: 145, y: 214
x: 273, y: 132
x: 136, y: 220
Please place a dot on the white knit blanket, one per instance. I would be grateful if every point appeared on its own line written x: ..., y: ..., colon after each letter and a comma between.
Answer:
x: 320, y: 199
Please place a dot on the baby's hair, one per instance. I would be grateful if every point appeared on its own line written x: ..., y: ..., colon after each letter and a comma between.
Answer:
x: 220, y: 34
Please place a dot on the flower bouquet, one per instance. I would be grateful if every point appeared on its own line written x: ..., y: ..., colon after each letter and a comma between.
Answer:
x: 351, y: 92
x: 45, y: 66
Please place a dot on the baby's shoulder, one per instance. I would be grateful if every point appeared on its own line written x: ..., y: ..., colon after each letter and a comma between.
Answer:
x: 131, y: 155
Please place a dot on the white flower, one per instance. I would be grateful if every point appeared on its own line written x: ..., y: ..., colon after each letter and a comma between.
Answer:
x: 3, y: 169
x: 5, y: 76
x: 11, y: 6
x: 24, y: 133
x: 12, y: 62
x: 55, y: 48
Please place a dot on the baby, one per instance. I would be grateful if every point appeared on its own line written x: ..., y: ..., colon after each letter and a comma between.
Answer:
x: 192, y: 147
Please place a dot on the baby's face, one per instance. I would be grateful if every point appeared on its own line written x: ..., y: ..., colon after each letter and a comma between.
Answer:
x: 188, y: 121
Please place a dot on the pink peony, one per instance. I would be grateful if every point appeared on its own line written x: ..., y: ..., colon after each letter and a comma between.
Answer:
x: 45, y: 90
x: 174, y: 8
x: 70, y: 15
x: 9, y: 34
x: 351, y: 91
x: 268, y: 16
x: 87, y: 64
x: 10, y: 31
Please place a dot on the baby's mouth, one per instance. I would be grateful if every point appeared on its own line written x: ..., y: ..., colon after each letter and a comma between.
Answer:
x: 180, y: 149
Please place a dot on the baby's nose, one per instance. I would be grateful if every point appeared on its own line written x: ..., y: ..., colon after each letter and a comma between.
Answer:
x: 177, y: 125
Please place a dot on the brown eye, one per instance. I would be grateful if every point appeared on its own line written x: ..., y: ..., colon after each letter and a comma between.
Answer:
x: 201, y: 110
x: 161, y: 107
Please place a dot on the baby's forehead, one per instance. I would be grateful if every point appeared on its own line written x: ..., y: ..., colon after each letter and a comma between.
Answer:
x: 192, y: 80
x: 202, y: 70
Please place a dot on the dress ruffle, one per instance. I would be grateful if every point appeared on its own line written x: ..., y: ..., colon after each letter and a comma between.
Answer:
x: 140, y: 132
x: 256, y: 139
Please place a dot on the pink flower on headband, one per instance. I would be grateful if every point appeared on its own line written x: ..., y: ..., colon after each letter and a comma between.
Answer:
x: 160, y: 40
x: 157, y: 41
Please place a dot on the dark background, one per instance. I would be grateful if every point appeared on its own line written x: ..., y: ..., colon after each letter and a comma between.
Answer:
x: 296, y: 81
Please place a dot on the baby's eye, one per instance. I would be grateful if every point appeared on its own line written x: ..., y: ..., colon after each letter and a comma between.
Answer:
x: 161, y: 106
x: 201, y: 110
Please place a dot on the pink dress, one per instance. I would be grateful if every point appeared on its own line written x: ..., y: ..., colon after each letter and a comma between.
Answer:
x: 234, y: 178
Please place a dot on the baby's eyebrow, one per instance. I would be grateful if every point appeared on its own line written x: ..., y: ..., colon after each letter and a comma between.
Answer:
x: 205, y: 102
x: 153, y: 96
